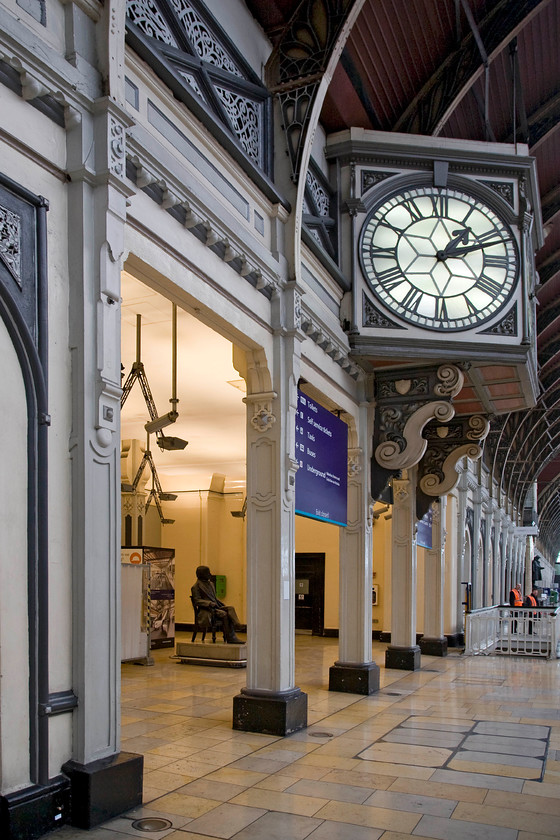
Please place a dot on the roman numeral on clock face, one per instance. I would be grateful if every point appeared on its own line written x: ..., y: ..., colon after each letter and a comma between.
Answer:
x: 390, y: 274
x: 382, y: 253
x: 412, y: 208
x: 441, y: 309
x: 440, y: 204
x: 495, y: 262
x: 412, y: 299
x: 489, y: 285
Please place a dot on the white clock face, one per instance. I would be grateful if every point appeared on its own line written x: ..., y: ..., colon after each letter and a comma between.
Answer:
x: 439, y: 258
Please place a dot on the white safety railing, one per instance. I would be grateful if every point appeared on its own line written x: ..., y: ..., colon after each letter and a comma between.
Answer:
x: 513, y: 631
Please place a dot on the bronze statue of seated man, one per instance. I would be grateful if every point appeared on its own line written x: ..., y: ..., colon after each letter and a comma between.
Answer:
x: 208, y: 604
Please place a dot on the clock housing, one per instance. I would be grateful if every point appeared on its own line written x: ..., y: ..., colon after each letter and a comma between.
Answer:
x: 438, y: 238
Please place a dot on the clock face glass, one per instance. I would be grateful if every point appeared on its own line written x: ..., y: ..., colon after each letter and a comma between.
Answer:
x: 439, y: 258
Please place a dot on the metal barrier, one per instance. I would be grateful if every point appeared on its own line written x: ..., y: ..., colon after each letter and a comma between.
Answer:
x: 513, y: 631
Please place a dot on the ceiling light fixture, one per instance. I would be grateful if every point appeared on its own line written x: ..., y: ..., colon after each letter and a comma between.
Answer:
x: 137, y: 372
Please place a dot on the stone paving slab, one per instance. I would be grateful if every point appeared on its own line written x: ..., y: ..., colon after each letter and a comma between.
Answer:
x: 443, y: 829
x: 479, y: 780
x: 513, y: 746
x: 514, y: 730
x: 429, y: 738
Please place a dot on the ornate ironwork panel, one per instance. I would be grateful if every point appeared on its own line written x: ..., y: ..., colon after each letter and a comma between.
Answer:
x: 299, y: 61
x: 319, y: 212
x: 192, y: 54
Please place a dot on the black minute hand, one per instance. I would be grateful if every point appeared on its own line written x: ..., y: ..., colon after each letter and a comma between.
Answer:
x: 459, y: 252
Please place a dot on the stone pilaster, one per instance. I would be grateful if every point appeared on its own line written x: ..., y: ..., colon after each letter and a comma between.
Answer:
x: 477, y: 556
x: 354, y: 671
x: 403, y: 653
x: 434, y: 642
x: 271, y: 702
x: 498, y: 571
x: 463, y: 573
x: 97, y: 196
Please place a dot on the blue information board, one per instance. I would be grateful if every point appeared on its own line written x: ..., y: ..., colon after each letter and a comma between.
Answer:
x: 322, y: 454
x: 424, y: 530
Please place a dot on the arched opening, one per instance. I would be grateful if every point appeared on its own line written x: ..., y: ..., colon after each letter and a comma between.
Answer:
x: 14, y: 614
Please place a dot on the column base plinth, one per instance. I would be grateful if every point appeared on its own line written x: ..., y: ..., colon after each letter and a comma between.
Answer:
x: 35, y: 810
x: 104, y: 788
x: 354, y: 679
x: 403, y: 658
x: 273, y: 714
x: 433, y: 646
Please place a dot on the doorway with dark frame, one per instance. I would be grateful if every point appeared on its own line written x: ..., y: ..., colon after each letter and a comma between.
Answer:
x: 310, y: 593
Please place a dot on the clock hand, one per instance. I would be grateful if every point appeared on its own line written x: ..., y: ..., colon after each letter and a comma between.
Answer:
x: 459, y: 252
x: 461, y: 236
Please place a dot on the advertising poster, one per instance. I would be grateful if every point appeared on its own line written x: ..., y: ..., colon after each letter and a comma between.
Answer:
x: 322, y: 454
x: 162, y: 603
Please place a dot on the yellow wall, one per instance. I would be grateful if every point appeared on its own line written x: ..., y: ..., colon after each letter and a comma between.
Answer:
x: 312, y: 535
x: 205, y: 534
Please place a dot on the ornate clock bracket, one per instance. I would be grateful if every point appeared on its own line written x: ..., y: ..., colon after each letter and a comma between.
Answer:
x: 446, y: 446
x: 404, y: 406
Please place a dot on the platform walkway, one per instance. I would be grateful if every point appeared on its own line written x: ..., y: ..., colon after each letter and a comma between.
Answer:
x: 467, y: 748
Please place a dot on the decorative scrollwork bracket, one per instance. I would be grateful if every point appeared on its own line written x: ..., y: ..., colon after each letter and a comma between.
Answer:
x: 446, y: 446
x: 404, y: 406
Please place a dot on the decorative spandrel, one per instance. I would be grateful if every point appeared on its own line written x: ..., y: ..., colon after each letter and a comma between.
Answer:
x: 198, y: 58
x: 22, y: 228
x: 10, y: 242
x: 299, y: 60
x: 203, y: 39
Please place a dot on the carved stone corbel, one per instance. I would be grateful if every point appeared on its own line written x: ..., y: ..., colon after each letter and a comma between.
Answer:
x: 446, y: 446
x: 406, y: 401
x: 263, y: 418
x: 355, y: 458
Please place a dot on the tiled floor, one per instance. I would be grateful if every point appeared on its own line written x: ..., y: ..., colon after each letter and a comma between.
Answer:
x: 467, y: 747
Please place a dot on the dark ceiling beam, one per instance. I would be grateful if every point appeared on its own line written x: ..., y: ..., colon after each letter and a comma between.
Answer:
x: 428, y: 110
x: 549, y: 267
x: 546, y: 316
x: 541, y: 124
x: 544, y: 122
x: 547, y: 347
x: 357, y: 81
x: 551, y: 371
x: 550, y: 204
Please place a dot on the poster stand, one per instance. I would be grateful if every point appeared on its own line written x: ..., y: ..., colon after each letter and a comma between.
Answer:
x: 148, y: 601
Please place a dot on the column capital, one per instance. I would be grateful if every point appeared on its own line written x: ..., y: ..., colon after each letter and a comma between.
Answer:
x: 263, y: 418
